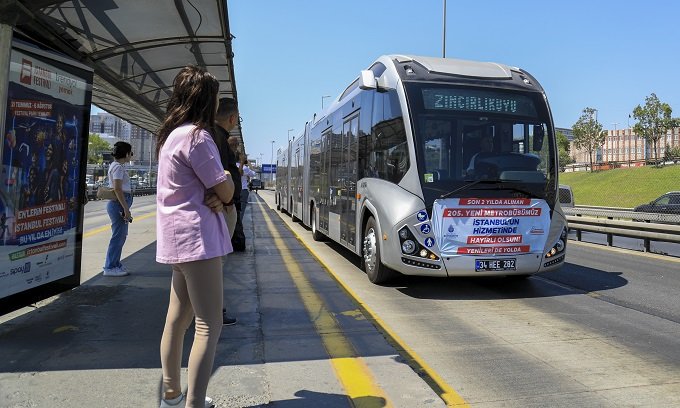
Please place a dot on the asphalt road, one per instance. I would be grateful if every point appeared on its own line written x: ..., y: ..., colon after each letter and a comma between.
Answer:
x: 602, y: 331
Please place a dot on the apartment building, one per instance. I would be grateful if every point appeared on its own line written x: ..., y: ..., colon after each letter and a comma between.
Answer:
x: 112, y: 129
x: 624, y: 146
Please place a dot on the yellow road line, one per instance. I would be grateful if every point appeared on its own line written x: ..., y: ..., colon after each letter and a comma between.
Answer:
x: 108, y: 227
x: 351, y: 370
x: 445, y: 391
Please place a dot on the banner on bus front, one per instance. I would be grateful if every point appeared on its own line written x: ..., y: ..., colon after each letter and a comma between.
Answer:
x: 490, y: 226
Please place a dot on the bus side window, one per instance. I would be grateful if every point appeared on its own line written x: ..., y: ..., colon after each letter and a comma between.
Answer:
x: 388, y: 137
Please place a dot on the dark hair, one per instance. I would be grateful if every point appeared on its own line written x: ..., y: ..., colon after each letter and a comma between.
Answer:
x: 121, y: 149
x: 193, y: 99
x: 226, y: 107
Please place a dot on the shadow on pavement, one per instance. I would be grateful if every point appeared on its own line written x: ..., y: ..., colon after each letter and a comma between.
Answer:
x: 309, y: 399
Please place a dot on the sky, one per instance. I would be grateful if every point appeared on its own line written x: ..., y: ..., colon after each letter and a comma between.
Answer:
x: 604, y: 54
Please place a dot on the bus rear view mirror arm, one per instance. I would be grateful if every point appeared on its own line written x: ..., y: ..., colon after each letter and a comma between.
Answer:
x: 367, y: 80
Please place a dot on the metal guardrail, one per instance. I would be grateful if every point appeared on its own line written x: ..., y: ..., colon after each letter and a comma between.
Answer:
x: 139, y: 191
x: 649, y: 227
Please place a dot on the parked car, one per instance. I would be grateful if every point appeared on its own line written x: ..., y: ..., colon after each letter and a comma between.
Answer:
x: 566, y: 196
x: 668, y: 203
x: 91, y: 188
x: 255, y: 184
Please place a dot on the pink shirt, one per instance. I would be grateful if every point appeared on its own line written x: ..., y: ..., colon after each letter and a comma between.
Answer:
x: 187, y: 229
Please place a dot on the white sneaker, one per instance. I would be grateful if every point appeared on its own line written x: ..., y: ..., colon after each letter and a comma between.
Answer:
x: 115, y: 272
x: 181, y: 402
x: 124, y: 269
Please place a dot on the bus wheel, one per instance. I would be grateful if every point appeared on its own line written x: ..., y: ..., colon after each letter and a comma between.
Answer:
x: 377, y: 272
x: 316, y: 234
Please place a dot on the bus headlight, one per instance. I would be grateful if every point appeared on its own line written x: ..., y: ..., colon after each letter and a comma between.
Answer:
x: 559, y: 246
x: 408, y: 247
x: 411, y: 246
x: 403, y: 233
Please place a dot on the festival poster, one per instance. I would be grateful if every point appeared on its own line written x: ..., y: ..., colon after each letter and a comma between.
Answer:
x: 43, y: 145
x: 490, y: 226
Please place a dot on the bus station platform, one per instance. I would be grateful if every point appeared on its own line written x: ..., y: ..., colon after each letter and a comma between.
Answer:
x: 301, y: 340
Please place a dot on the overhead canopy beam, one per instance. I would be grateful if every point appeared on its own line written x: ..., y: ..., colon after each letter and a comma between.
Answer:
x: 134, y: 47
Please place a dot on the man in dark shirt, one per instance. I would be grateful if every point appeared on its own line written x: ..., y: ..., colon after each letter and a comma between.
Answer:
x: 226, y: 119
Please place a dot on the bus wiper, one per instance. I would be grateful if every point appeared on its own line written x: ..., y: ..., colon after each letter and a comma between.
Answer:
x: 470, y: 183
x: 519, y: 190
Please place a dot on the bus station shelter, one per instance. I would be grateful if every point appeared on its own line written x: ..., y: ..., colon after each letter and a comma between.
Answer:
x: 56, y: 58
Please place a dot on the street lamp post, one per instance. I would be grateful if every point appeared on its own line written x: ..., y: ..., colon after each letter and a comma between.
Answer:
x: 289, y: 130
x: 148, y: 176
x: 618, y: 145
x: 322, y: 98
x: 444, y: 32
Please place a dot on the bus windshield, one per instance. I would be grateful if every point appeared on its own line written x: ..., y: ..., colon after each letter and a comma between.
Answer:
x: 490, y: 139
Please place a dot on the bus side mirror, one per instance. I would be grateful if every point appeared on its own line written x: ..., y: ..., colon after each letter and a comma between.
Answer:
x: 539, y: 134
x: 367, y: 80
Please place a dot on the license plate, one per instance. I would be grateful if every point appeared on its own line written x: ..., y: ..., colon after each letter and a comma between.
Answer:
x: 502, y: 264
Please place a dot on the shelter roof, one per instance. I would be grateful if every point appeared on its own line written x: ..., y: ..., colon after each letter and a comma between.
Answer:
x: 134, y: 47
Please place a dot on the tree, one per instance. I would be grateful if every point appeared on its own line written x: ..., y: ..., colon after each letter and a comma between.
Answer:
x: 96, y: 145
x: 654, y: 120
x: 672, y: 154
x: 588, y: 133
x: 563, y: 151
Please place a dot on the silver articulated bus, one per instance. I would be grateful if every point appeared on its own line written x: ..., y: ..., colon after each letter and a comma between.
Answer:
x: 431, y: 166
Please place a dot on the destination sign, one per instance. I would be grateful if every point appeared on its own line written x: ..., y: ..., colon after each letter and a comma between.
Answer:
x: 469, y: 100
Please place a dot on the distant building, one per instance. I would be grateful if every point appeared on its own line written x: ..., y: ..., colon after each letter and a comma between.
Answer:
x: 112, y: 129
x: 109, y: 124
x: 108, y: 138
x: 624, y: 146
x: 567, y: 132
x: 143, y: 145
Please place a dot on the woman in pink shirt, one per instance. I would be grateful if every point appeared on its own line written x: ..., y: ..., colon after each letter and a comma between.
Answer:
x: 191, y: 236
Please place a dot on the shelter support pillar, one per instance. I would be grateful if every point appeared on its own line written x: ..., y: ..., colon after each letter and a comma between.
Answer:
x: 5, y: 50
x: 9, y: 14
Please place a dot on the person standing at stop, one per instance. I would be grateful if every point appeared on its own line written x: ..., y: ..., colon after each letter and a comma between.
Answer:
x: 118, y: 209
x: 245, y: 178
x: 191, y: 236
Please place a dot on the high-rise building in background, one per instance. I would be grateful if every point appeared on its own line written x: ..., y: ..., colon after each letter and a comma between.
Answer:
x: 112, y: 129
x: 110, y: 126
x: 143, y: 145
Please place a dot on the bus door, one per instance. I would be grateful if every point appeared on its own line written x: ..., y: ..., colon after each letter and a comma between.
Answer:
x: 350, y: 130
x: 336, y: 180
x: 324, y: 193
x: 296, y: 187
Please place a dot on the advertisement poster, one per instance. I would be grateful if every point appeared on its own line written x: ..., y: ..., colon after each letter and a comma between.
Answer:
x: 47, y: 111
x: 490, y: 226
